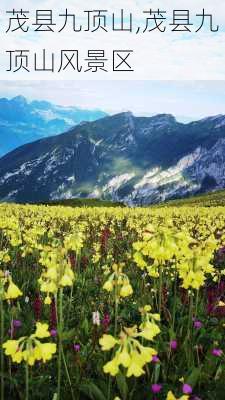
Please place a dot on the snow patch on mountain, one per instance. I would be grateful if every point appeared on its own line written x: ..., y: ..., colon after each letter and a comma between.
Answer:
x: 157, y: 176
x: 25, y: 169
x: 96, y: 194
x: 57, y: 159
x: 115, y: 183
x: 211, y: 163
x: 221, y: 123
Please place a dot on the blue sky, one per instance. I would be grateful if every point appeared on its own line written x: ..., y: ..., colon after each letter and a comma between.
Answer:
x: 184, y: 99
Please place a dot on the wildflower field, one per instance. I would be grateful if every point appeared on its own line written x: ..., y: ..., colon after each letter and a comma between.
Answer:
x: 112, y: 303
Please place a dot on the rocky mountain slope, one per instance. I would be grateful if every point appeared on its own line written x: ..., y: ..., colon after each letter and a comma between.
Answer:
x: 137, y: 160
x: 23, y: 122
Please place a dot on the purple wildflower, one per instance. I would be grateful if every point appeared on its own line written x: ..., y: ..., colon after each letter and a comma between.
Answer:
x: 156, y: 388
x: 187, y: 389
x: 16, y: 323
x: 173, y: 344
x: 76, y: 347
x: 53, y: 332
x: 106, y: 321
x: 217, y: 352
x: 37, y: 307
x: 198, y: 324
x: 155, y: 359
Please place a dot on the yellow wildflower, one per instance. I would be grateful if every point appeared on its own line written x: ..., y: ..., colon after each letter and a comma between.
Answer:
x: 47, y: 300
x: 29, y: 348
x: 130, y: 353
x: 126, y: 290
x: 107, y: 342
x: 170, y: 396
x: 13, y: 291
x: 41, y: 330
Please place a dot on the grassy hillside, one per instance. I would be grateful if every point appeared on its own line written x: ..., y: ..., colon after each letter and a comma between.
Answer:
x: 85, y: 203
x: 206, y: 200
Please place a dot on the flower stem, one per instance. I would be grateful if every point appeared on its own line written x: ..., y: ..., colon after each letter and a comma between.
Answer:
x: 190, y: 316
x: 27, y: 381
x: 160, y: 288
x: 1, y: 343
x: 67, y: 374
x: 116, y: 301
x: 60, y: 329
x: 196, y: 305
x: 116, y: 316
x: 174, y: 302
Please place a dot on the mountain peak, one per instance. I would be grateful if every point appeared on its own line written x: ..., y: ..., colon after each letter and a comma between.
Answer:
x: 20, y: 100
x: 169, y: 118
x: 122, y: 157
x: 41, y: 104
x: 23, y: 121
x: 127, y: 114
x: 212, y: 118
x: 123, y: 115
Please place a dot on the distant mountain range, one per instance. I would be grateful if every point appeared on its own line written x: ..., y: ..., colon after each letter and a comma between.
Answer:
x: 23, y: 122
x: 138, y: 160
